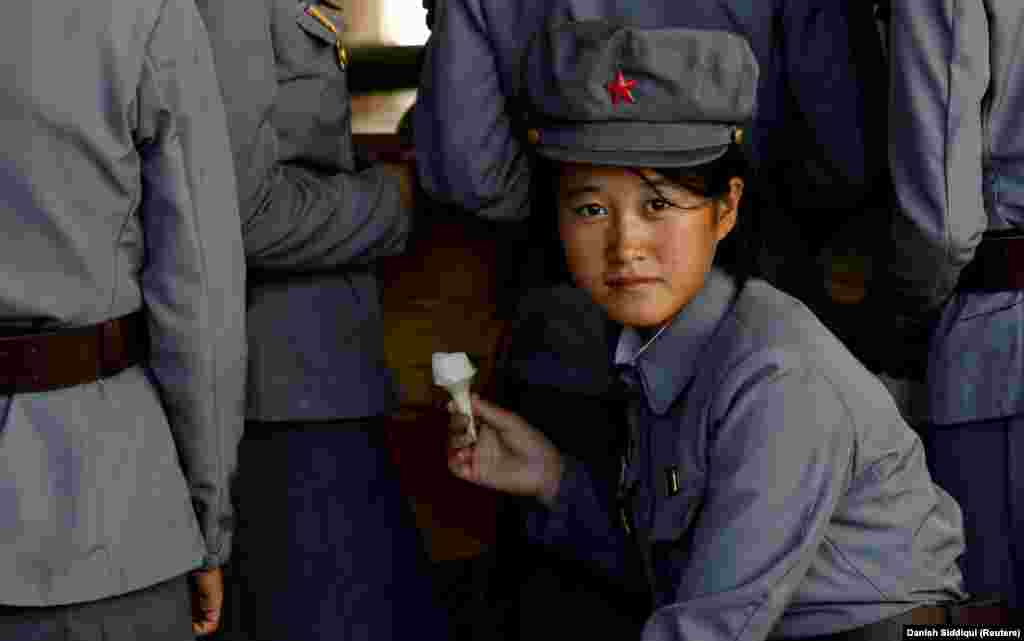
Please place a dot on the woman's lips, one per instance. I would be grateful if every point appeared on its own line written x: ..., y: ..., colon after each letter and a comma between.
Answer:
x: 629, y: 281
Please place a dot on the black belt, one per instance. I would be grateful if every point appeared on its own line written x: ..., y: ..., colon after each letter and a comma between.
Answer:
x: 998, y: 263
x: 975, y: 612
x: 67, y: 357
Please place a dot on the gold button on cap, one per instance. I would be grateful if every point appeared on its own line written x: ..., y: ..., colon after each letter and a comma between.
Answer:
x: 737, y: 135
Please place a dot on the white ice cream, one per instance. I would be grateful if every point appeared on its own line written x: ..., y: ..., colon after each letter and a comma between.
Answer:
x: 455, y: 373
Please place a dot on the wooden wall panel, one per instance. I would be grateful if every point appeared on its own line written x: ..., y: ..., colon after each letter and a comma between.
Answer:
x: 439, y: 296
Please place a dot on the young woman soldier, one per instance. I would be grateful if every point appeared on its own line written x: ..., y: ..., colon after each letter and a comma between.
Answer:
x: 769, y: 480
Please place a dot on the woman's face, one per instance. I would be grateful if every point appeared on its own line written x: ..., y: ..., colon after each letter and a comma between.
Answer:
x: 638, y: 256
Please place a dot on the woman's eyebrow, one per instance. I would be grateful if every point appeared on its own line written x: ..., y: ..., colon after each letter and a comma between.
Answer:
x: 580, y: 190
x: 657, y: 184
x: 660, y: 182
x: 682, y: 183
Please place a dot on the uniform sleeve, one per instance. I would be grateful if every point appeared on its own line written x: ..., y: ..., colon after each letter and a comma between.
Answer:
x: 303, y: 220
x: 778, y: 466
x: 193, y: 278
x: 466, y: 147
x: 294, y: 217
x: 939, y: 77
x: 579, y: 525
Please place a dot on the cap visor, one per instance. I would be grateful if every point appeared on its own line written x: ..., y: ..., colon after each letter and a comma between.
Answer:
x: 636, y: 144
x: 624, y: 158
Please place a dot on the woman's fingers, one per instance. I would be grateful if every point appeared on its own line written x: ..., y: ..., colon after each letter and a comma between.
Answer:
x: 459, y: 435
x: 457, y: 424
x: 460, y: 462
x: 500, y: 419
x: 461, y: 440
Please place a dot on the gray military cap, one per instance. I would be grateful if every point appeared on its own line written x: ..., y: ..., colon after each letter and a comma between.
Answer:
x: 607, y: 93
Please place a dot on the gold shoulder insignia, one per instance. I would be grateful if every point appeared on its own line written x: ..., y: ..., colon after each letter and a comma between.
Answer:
x: 327, y: 22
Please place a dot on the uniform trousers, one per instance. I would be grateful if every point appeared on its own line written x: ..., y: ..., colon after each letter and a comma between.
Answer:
x: 326, y: 547
x: 981, y: 464
x: 158, y: 613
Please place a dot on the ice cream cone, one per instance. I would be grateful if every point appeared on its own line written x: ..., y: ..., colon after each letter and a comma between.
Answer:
x: 455, y: 373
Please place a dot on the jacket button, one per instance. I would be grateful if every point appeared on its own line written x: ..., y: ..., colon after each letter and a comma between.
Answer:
x: 533, y: 136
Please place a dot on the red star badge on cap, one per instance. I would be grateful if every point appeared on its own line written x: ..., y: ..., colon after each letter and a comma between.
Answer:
x: 621, y: 89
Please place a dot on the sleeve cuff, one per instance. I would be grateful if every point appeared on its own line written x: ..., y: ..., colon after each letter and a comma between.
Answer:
x: 550, y: 525
x: 218, y: 551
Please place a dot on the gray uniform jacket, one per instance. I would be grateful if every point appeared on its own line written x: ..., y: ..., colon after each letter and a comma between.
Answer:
x: 778, y: 486
x: 118, y: 194
x: 957, y: 152
x: 314, y: 222
x: 466, y: 135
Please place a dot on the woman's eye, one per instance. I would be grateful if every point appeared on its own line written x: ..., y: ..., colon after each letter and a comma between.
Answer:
x: 590, y: 211
x: 659, y: 204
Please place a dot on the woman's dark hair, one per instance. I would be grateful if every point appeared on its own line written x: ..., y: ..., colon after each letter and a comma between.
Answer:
x: 737, y: 253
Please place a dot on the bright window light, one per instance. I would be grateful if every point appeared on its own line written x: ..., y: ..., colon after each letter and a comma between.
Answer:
x: 405, y: 22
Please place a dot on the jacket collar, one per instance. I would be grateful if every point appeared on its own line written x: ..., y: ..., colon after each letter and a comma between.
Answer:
x: 666, y: 363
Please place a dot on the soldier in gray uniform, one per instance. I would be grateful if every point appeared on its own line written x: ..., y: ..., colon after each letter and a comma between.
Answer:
x: 956, y: 265
x: 327, y: 547
x: 770, y: 483
x: 120, y: 221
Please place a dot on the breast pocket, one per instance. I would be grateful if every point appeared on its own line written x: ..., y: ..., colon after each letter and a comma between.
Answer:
x: 670, y: 539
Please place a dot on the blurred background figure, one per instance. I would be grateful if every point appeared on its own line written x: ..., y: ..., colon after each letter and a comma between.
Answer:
x: 327, y: 545
x: 953, y: 267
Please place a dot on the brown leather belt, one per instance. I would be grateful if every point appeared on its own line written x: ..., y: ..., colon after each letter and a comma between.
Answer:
x: 998, y: 263
x: 68, y: 357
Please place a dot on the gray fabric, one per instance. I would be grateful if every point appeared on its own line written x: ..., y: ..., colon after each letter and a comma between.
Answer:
x: 689, y: 87
x: 118, y: 194
x: 981, y: 464
x: 936, y: 144
x: 682, y: 75
x: 958, y: 155
x: 957, y: 151
x: 651, y: 144
x: 160, y: 613
x: 642, y: 136
x: 314, y: 222
x: 786, y: 449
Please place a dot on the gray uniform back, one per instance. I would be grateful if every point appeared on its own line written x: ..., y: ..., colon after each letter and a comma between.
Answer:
x: 118, y: 193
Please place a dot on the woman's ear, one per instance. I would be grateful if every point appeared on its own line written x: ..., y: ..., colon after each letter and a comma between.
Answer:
x: 729, y: 208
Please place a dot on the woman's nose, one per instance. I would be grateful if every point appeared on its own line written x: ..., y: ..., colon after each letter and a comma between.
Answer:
x: 629, y: 240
